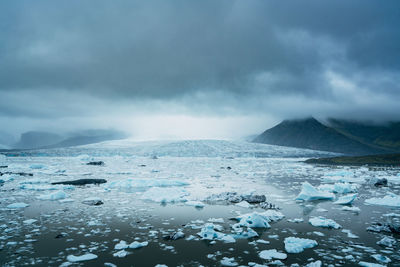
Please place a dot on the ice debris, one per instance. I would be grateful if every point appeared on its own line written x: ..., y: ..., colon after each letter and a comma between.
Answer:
x: 297, y: 245
x: 310, y: 193
x: 85, y: 257
x: 131, y: 183
x: 164, y: 195
x: 92, y: 201
x: 18, y: 205
x: 259, y: 220
x: 381, y: 258
x: 346, y: 199
x: 208, y: 233
x: 53, y: 196
x: 370, y: 264
x: 272, y: 254
x: 134, y: 245
x: 341, y: 188
x: 391, y: 200
x: 323, y: 222
x: 228, y: 262
x: 387, y: 241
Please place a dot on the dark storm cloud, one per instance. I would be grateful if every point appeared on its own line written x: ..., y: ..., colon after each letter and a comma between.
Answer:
x: 213, y: 55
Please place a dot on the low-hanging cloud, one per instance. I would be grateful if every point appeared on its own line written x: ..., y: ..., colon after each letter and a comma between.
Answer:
x: 261, y: 60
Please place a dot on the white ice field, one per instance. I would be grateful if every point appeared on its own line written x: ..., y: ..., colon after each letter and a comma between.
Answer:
x: 193, y: 203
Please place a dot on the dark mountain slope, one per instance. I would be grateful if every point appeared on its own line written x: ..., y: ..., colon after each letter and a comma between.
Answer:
x: 310, y: 133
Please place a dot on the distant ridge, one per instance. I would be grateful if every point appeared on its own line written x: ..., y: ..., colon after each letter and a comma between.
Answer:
x: 312, y: 134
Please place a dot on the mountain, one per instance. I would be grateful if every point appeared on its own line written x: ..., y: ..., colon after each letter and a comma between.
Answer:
x: 35, y: 140
x: 312, y: 134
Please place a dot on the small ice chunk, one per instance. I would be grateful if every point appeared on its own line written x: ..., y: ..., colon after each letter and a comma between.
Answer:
x: 345, y: 200
x: 216, y: 220
x: 297, y: 245
x: 349, y: 233
x: 85, y: 257
x: 120, y: 253
x: 121, y: 245
x: 341, y: 188
x: 18, y: 205
x: 323, y: 222
x: 92, y: 201
x: 296, y: 220
x: 370, y: 264
x: 387, y: 241
x: 272, y: 254
x: 29, y: 221
x: 391, y: 200
x: 136, y: 245
x: 228, y: 262
x: 254, y: 220
x: 310, y: 193
x: 53, y: 196
x: 314, y: 264
x: 381, y: 258
x: 208, y: 233
x: 165, y: 194
x: 196, y: 204
x: 243, y: 204
x: 354, y: 209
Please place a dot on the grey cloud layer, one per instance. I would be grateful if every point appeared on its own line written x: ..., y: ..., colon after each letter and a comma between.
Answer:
x: 250, y: 53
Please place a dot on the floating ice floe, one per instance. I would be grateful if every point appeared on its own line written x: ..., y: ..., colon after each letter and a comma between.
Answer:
x: 259, y: 220
x: 243, y: 234
x: 349, y: 233
x: 18, y: 205
x: 208, y: 233
x: 354, y: 209
x: 297, y: 245
x: 391, y: 200
x: 121, y: 254
x: 323, y: 222
x: 29, y: 221
x: 243, y: 204
x: 345, y: 200
x: 228, y: 262
x: 341, y: 188
x: 387, y: 241
x: 165, y: 194
x: 134, y: 245
x: 272, y: 254
x: 85, y: 257
x: 137, y: 184
x: 197, y: 204
x: 370, y: 264
x: 314, y: 264
x: 92, y: 201
x: 381, y: 258
x: 37, y: 166
x: 216, y: 220
x: 310, y: 193
x: 53, y: 196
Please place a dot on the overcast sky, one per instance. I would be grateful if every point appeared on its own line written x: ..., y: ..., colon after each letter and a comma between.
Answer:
x: 195, y: 69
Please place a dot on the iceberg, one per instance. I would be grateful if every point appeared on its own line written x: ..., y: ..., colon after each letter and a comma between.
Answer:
x: 345, y: 200
x: 53, y: 196
x: 228, y: 262
x: 297, y: 245
x: 272, y: 254
x: 18, y: 205
x: 387, y: 241
x: 381, y: 258
x: 370, y: 264
x: 310, y: 193
x: 323, y: 222
x: 354, y: 209
x: 85, y: 257
x: 165, y: 195
x: 314, y: 264
x: 136, y: 244
x: 259, y: 219
x: 391, y: 200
